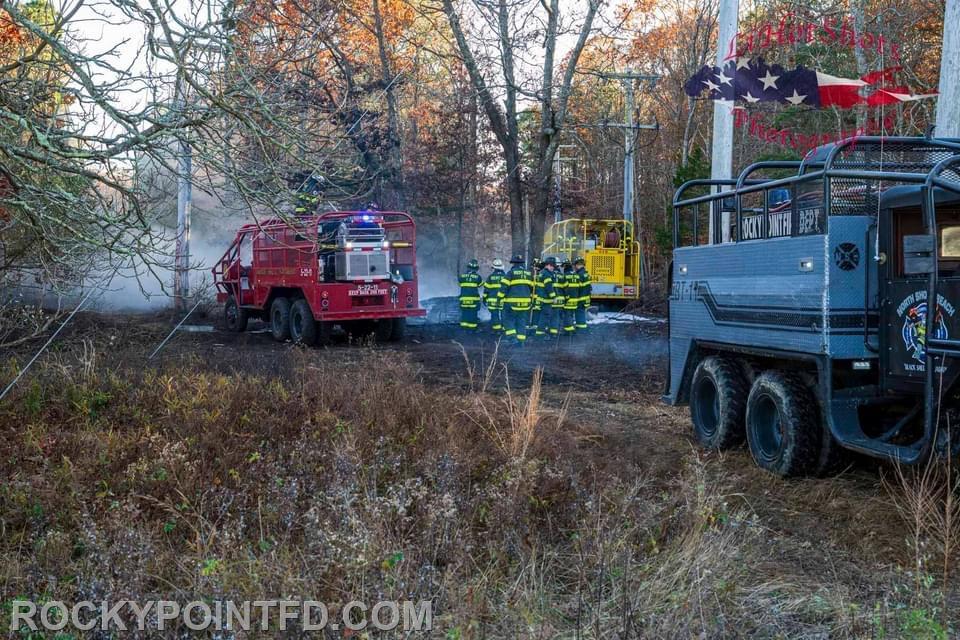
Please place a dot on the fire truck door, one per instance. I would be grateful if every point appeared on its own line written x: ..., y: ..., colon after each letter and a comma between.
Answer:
x: 904, y: 292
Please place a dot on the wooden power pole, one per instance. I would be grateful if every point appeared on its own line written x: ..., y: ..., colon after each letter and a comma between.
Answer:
x: 948, y: 104
x: 721, y: 159
x: 181, y: 288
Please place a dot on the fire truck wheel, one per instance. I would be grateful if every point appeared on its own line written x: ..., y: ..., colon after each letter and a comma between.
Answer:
x: 234, y: 317
x: 280, y: 319
x: 303, y: 328
x: 718, y: 396
x: 399, y: 329
x: 832, y: 458
x: 783, y: 427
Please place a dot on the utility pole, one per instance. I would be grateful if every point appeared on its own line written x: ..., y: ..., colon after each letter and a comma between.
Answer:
x: 722, y: 155
x: 627, y: 79
x: 181, y: 282
x: 948, y: 104
x: 629, y: 142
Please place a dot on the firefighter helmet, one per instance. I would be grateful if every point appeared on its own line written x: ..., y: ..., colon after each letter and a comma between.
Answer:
x: 579, y: 260
x: 550, y: 260
x: 497, y: 263
x: 473, y: 265
x: 517, y: 259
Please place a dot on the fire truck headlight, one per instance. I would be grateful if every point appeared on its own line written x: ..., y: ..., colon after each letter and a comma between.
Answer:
x: 386, y: 244
x: 365, y: 218
x: 349, y: 245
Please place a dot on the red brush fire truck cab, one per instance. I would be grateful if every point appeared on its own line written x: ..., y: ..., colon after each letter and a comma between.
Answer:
x: 356, y: 269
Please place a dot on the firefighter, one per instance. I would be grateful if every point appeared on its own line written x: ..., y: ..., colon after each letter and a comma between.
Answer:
x: 470, y: 283
x: 546, y: 296
x: 516, y: 293
x: 585, y: 288
x: 490, y: 290
x: 571, y: 295
x: 306, y: 203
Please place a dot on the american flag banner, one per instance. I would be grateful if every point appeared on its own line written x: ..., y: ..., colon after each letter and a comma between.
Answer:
x: 752, y: 80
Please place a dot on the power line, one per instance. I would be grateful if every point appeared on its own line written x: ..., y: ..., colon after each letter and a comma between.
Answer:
x: 628, y: 80
x: 56, y: 333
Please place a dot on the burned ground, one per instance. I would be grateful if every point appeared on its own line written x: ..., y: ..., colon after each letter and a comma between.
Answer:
x: 443, y: 467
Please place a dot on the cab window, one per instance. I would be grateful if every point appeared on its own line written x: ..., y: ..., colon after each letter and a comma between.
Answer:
x: 950, y: 241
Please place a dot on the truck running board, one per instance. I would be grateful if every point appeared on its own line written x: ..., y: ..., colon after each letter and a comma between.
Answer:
x: 843, y: 412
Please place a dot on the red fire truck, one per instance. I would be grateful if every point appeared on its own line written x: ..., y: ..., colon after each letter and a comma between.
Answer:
x: 304, y: 276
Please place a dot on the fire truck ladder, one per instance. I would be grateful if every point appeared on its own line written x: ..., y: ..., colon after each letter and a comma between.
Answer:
x: 221, y: 268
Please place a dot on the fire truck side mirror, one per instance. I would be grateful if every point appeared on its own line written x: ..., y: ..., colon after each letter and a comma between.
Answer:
x: 918, y: 255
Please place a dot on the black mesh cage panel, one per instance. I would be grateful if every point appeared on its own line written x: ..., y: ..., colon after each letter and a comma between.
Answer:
x: 853, y: 196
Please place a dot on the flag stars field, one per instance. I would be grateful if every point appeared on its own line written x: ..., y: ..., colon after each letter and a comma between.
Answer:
x: 753, y: 80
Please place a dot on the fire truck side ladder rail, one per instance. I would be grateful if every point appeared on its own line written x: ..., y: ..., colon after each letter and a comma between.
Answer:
x: 222, y: 265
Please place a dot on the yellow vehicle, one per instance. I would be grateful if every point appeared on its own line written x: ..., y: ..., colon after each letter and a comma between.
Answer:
x: 611, y: 253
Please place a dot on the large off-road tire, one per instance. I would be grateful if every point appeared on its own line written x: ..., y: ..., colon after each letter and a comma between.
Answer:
x: 718, y: 400
x: 303, y: 328
x: 398, y: 330
x: 783, y: 425
x: 235, y: 317
x: 383, y: 329
x: 833, y: 457
x: 280, y: 319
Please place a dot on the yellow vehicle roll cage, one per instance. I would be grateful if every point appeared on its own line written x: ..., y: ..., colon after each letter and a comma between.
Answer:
x: 608, y: 247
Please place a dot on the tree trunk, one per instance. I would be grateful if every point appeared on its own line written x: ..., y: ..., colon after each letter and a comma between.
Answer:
x: 394, y: 154
x: 553, y: 113
x: 541, y: 205
x: 504, y: 125
x: 504, y: 122
x: 518, y: 227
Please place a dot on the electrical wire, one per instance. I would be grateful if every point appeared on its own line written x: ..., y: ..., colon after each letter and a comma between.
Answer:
x: 53, y: 337
x: 170, y: 335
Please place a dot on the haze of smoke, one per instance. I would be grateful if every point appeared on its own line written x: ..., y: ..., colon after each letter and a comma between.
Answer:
x: 135, y: 288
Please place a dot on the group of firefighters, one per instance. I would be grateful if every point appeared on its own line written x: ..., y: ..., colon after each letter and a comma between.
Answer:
x: 547, y: 301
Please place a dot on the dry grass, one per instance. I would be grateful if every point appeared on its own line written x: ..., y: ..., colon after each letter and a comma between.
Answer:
x: 350, y: 479
x: 928, y: 499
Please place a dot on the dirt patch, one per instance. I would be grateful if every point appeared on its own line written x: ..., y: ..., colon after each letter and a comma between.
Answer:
x: 632, y: 530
